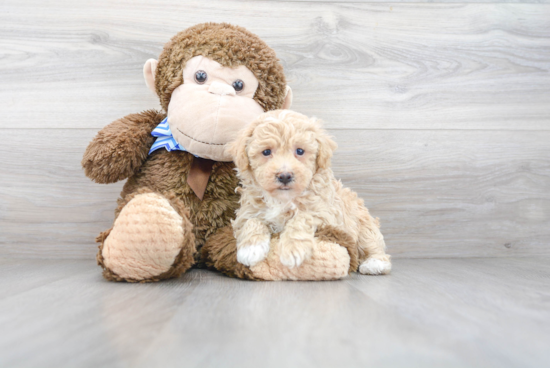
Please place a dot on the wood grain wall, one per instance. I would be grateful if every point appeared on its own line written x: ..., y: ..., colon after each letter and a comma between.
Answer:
x: 441, y: 111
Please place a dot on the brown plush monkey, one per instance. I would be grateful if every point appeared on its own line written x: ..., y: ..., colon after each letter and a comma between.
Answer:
x: 175, y: 209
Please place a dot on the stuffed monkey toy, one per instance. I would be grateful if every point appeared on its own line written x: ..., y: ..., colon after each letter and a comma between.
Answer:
x: 175, y: 209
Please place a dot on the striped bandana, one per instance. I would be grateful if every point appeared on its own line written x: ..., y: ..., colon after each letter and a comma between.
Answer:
x: 200, y: 169
x: 165, y: 138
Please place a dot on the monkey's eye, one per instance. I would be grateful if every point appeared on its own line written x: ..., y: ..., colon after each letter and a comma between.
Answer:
x: 201, y: 76
x: 238, y: 85
x: 267, y: 152
x: 300, y: 152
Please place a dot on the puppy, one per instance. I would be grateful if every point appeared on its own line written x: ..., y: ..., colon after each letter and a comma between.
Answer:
x: 289, y: 189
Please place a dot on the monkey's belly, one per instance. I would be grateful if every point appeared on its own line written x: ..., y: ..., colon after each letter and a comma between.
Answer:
x: 166, y: 172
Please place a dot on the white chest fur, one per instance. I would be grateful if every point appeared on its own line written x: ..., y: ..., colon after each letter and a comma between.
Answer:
x: 276, y: 214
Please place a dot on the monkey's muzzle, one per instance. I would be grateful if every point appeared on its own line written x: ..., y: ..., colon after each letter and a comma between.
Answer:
x: 204, y: 118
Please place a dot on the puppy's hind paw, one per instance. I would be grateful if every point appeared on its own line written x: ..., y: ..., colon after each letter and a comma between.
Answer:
x: 253, y: 254
x: 373, y: 266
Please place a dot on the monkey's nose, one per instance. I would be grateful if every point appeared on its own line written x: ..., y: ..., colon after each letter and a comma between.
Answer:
x: 284, y: 177
x: 221, y: 89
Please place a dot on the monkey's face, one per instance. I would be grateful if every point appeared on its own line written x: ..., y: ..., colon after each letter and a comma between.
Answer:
x: 211, y: 106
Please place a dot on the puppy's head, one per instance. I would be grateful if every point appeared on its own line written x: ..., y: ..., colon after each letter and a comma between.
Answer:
x: 281, y: 151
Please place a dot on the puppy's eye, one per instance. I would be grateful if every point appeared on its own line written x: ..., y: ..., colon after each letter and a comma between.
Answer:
x: 238, y: 85
x: 201, y: 76
x: 300, y: 152
x: 267, y: 152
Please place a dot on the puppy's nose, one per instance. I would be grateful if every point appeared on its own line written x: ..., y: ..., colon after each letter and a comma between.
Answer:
x: 222, y: 89
x: 284, y: 177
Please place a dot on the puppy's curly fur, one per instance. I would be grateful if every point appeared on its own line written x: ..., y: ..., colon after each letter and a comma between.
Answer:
x: 288, y: 188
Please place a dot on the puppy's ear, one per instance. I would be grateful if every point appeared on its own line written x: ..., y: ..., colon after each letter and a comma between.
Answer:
x: 326, y: 147
x: 237, y: 148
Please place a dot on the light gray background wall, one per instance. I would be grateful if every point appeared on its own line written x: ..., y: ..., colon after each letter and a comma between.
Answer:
x: 441, y: 111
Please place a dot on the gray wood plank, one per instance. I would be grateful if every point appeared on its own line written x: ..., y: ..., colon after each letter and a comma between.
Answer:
x: 437, y: 193
x: 417, y: 1
x: 298, y: 324
x: 357, y: 65
x: 462, y: 297
x: 85, y: 321
x: 48, y: 208
x: 427, y: 313
x: 455, y: 193
x: 28, y: 274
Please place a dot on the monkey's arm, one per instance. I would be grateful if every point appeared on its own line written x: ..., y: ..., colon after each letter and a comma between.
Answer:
x: 119, y: 149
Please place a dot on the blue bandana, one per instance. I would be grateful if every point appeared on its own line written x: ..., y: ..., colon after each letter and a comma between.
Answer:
x: 165, y: 138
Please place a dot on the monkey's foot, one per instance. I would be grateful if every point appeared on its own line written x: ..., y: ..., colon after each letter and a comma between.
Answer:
x: 328, y: 261
x: 333, y: 257
x: 150, y: 241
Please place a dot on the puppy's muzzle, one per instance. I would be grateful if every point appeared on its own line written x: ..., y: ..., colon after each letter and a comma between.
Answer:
x: 285, y: 177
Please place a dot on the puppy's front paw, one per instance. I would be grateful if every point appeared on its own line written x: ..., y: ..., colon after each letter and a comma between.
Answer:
x: 253, y: 254
x: 373, y: 266
x: 295, y: 252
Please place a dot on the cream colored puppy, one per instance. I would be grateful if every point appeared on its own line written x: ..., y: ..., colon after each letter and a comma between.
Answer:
x: 288, y: 188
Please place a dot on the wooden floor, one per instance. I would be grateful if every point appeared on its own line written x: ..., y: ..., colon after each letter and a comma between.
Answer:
x: 429, y: 313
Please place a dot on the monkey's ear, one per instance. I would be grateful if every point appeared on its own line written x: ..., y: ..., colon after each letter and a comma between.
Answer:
x: 288, y: 98
x: 149, y: 73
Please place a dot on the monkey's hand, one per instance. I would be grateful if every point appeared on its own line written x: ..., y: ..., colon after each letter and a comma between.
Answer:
x: 119, y: 149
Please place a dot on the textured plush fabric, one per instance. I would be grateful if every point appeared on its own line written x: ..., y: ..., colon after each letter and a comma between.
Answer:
x: 204, y: 115
x: 328, y: 261
x: 167, y: 172
x: 146, y: 238
x: 329, y: 234
x: 119, y: 149
x: 220, y: 253
x: 230, y: 46
x: 160, y: 172
x: 152, y: 239
x: 333, y: 254
x: 204, y: 122
x: 199, y: 175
